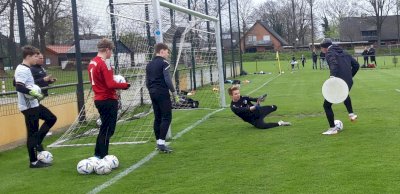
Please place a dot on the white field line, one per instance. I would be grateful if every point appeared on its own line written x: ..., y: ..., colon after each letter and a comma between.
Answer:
x: 148, y: 157
x: 398, y: 90
x: 269, y: 80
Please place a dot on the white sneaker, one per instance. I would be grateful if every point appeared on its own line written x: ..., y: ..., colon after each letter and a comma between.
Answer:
x: 283, y: 123
x: 331, y: 131
x: 352, y: 117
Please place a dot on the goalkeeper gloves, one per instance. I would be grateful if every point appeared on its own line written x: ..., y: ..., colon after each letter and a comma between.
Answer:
x: 262, y: 98
x: 176, y: 97
x: 36, y: 94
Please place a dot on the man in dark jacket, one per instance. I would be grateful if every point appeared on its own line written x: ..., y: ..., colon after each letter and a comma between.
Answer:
x: 253, y: 114
x: 365, y: 56
x: 322, y: 63
x: 314, y: 59
x: 343, y: 66
x: 40, y: 75
x: 371, y: 53
x: 158, y: 82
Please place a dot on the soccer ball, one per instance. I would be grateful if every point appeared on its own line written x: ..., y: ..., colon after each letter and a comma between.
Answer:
x: 85, y: 166
x: 45, y: 157
x: 98, y: 122
x: 112, y: 160
x: 119, y: 79
x: 102, y: 167
x: 33, y: 87
x: 339, y: 124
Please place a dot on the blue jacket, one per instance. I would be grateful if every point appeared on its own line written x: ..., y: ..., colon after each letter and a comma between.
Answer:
x: 341, y: 64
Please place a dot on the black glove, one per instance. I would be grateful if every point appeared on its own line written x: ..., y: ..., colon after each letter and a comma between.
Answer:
x: 262, y: 98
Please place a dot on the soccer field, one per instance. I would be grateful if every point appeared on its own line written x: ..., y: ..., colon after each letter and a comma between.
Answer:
x: 222, y: 154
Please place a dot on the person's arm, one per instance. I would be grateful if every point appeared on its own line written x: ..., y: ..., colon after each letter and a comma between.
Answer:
x: 355, y: 66
x: 20, y: 87
x: 167, y: 78
x: 109, y: 78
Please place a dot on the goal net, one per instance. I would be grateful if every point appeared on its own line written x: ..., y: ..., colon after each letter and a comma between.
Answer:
x: 135, y: 26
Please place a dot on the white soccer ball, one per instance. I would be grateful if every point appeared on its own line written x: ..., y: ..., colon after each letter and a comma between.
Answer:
x: 112, y: 160
x: 119, y: 79
x: 339, y: 124
x: 45, y: 157
x: 33, y: 87
x: 102, y: 167
x: 98, y: 122
x: 85, y: 166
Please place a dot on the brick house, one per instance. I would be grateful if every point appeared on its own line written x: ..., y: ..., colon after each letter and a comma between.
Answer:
x: 261, y: 37
x: 54, y: 54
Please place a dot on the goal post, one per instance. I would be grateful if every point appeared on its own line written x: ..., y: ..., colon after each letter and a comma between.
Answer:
x: 159, y: 35
x: 197, y: 65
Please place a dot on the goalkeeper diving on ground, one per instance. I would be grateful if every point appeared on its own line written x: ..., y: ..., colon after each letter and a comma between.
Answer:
x: 254, y: 114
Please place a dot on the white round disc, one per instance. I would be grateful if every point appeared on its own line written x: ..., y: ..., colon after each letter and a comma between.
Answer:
x: 335, y: 90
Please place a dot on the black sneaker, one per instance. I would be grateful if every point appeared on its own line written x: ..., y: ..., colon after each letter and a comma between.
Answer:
x: 39, y: 164
x: 164, y: 148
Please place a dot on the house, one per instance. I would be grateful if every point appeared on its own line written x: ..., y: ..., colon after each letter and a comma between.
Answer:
x: 89, y: 50
x: 261, y: 37
x: 55, y: 54
x: 354, y: 29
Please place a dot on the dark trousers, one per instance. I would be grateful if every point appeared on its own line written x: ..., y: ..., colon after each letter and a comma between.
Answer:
x: 162, y: 113
x: 36, y: 134
x: 263, y: 112
x: 365, y: 60
x: 314, y: 64
x: 329, y: 112
x: 108, y: 110
x: 373, y: 59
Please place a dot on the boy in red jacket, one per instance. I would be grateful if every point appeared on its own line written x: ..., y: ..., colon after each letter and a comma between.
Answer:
x: 101, y: 77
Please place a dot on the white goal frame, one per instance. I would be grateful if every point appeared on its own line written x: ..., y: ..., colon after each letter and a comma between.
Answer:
x: 159, y: 36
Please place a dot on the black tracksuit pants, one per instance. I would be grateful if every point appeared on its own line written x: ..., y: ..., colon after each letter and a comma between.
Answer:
x: 36, y: 134
x: 162, y: 113
x: 329, y: 112
x: 263, y: 112
x: 108, y: 110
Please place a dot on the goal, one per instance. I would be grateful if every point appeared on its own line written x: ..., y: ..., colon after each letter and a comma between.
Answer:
x: 195, y: 58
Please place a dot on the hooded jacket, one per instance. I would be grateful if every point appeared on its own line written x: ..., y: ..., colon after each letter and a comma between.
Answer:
x: 341, y: 64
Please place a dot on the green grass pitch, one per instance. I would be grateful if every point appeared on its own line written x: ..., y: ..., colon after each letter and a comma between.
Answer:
x: 226, y: 155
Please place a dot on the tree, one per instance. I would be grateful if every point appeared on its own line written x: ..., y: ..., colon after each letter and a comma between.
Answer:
x: 380, y: 10
x: 245, y: 13
x: 44, y: 14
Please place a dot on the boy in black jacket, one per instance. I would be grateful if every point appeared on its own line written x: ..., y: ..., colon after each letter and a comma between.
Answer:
x: 343, y: 66
x: 253, y: 114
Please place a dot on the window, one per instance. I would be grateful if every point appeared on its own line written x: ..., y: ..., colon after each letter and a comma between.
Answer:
x: 266, y: 38
x: 251, y: 38
x: 369, y: 33
x: 48, y: 62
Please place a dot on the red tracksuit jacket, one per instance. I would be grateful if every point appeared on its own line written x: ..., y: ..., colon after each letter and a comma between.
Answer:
x: 101, y: 77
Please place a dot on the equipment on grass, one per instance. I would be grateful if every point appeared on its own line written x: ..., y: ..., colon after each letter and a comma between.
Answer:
x: 338, y: 124
x: 45, y: 157
x: 119, y: 79
x: 85, y: 166
x: 335, y: 90
x: 112, y: 160
x: 35, y: 88
x: 102, y: 167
